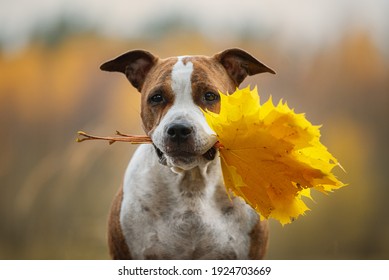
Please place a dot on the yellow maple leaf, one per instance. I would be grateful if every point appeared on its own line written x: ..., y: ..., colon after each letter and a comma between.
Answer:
x: 270, y: 155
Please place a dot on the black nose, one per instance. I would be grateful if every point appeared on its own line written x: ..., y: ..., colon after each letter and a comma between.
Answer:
x: 179, y: 132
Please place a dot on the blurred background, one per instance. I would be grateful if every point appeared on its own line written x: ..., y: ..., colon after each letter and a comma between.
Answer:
x: 332, y: 62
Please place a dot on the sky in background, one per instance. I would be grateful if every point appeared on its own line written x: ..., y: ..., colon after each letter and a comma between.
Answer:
x: 313, y: 22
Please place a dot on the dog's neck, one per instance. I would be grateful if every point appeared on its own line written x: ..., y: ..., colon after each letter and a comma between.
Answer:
x: 198, y: 181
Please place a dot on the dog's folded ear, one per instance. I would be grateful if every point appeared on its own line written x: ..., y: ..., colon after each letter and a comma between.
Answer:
x: 134, y: 64
x: 240, y: 64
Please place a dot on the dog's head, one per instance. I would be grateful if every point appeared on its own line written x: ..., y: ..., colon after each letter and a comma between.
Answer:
x: 173, y: 91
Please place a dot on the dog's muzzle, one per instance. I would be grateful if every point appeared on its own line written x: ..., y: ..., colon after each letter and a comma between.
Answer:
x: 180, y: 143
x: 179, y: 133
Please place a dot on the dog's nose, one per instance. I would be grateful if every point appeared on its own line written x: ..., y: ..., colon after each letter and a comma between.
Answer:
x: 179, y: 132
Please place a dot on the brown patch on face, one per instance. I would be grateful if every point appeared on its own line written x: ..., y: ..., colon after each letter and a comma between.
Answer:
x: 157, y: 94
x: 208, y: 78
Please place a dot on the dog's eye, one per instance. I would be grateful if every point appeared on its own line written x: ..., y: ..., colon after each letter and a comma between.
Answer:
x: 156, y: 99
x: 211, y: 97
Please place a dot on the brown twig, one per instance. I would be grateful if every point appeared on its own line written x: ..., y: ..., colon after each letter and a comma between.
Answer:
x: 134, y: 139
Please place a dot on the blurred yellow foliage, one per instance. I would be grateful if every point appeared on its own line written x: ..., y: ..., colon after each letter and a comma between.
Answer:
x: 55, y: 194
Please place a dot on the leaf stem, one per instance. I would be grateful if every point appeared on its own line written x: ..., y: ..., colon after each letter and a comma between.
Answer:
x: 134, y: 139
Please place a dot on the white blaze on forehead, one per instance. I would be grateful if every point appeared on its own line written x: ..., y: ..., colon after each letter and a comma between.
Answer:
x: 182, y: 87
x: 181, y: 81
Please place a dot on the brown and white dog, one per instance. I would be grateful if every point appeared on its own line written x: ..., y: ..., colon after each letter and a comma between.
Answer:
x: 173, y: 204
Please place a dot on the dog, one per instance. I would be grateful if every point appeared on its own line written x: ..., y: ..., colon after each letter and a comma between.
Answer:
x: 173, y: 203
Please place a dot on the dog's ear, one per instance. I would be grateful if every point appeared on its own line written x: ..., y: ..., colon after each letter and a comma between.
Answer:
x: 134, y: 64
x: 240, y: 64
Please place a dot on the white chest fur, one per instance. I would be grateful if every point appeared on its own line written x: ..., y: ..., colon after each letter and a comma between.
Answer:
x: 181, y: 216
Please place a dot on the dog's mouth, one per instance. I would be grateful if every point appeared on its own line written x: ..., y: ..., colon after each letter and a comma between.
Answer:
x: 183, y: 155
x: 210, y: 154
